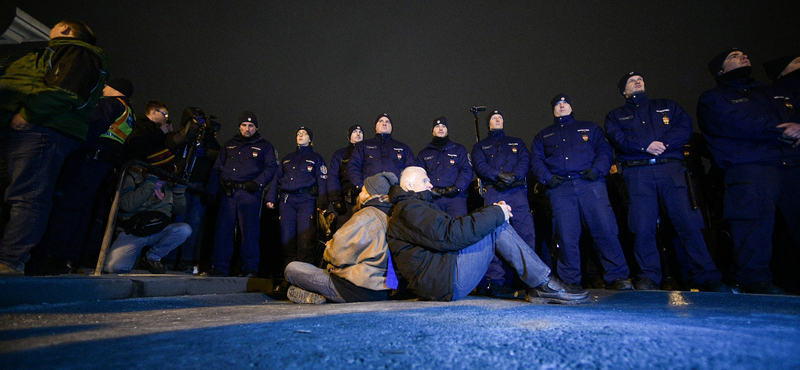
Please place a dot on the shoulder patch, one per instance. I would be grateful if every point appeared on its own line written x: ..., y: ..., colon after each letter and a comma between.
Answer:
x: 323, y: 169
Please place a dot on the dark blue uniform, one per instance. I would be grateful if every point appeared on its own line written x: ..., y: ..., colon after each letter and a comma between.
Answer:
x: 381, y: 154
x: 302, y: 177
x: 242, y: 159
x: 448, y: 166
x: 496, y: 153
x: 567, y: 149
x: 339, y: 184
x: 739, y: 120
x: 654, y: 181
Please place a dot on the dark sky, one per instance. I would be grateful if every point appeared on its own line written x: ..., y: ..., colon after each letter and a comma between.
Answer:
x: 331, y: 64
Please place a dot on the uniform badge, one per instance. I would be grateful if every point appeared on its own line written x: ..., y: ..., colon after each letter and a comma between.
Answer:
x: 255, y: 154
x: 323, y: 169
x: 452, y: 161
x: 514, y: 149
x: 309, y: 168
x: 665, y: 118
x: 585, y: 137
x: 399, y: 157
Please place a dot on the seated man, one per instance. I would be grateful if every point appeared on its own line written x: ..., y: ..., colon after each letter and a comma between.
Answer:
x: 357, y: 255
x: 146, y: 206
x: 443, y: 258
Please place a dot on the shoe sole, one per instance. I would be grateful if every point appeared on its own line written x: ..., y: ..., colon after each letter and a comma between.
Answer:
x: 539, y: 300
x: 301, y: 296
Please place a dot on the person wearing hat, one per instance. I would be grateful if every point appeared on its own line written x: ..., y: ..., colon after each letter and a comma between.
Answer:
x: 444, y: 258
x: 751, y: 135
x: 784, y: 72
x: 46, y: 98
x: 84, y: 173
x: 380, y: 154
x: 148, y: 200
x: 357, y: 257
x: 301, y: 181
x: 649, y: 136
x: 502, y: 162
x: 449, y: 168
x: 572, y: 158
x: 246, y: 164
x: 341, y: 191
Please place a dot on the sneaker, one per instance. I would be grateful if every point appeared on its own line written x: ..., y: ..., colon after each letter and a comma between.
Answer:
x: 298, y: 295
x: 554, y: 291
x: 620, y: 284
x: 6, y: 270
x: 715, y: 286
x: 155, y: 267
x: 762, y: 287
x: 645, y: 284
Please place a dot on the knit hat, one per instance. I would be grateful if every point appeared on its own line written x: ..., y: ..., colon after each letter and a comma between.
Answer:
x: 162, y: 159
x: 440, y: 121
x: 624, y: 81
x: 492, y: 113
x: 774, y: 67
x: 353, y: 128
x: 308, y: 131
x: 380, y: 183
x: 715, y: 65
x: 248, y: 116
x: 384, y: 115
x: 123, y: 85
x: 559, y: 98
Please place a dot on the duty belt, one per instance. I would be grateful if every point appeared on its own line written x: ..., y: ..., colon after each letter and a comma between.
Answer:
x: 305, y: 190
x: 643, y: 162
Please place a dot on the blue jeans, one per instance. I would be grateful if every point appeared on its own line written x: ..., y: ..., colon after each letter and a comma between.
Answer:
x: 194, y: 217
x: 34, y: 159
x: 123, y: 253
x: 522, y: 222
x: 313, y: 279
x: 472, y: 261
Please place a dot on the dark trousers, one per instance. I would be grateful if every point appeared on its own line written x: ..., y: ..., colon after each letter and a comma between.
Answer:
x: 242, y: 208
x: 297, y: 227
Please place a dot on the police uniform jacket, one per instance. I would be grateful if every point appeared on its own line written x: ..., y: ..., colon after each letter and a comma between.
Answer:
x: 568, y: 147
x: 739, y: 120
x: 632, y: 127
x: 380, y: 154
x: 498, y: 152
x: 299, y: 172
x: 446, y: 166
x: 337, y: 172
x: 243, y: 159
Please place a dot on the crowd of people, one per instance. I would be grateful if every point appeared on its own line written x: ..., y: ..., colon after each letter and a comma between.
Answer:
x: 403, y: 222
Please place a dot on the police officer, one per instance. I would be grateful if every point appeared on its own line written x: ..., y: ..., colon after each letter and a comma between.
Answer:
x: 302, y: 177
x: 784, y: 72
x: 340, y: 189
x: 749, y: 133
x: 381, y: 154
x: 502, y: 163
x: 649, y: 136
x: 572, y: 158
x: 245, y: 164
x: 449, y: 168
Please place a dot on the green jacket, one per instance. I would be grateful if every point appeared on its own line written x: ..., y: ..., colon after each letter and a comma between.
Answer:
x: 56, y: 87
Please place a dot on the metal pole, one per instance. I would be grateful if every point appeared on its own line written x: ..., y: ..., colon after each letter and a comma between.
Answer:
x: 475, y: 110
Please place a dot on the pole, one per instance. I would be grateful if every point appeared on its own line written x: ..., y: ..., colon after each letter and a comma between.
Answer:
x: 475, y: 110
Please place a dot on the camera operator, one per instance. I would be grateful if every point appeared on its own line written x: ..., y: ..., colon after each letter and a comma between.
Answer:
x: 197, y: 148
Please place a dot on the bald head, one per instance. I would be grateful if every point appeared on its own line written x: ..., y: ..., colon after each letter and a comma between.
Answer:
x: 415, y: 179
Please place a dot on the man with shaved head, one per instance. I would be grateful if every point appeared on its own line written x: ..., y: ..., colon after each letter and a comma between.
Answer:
x: 443, y: 258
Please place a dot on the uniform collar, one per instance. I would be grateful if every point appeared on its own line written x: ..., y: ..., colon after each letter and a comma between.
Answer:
x: 497, y: 134
x: 383, y: 137
x: 564, y: 119
x: 305, y: 149
x: 637, y: 98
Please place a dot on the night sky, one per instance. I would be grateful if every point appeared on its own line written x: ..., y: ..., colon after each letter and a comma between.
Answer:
x: 330, y: 64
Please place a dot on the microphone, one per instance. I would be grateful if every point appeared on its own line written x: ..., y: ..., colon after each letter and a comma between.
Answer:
x: 478, y: 108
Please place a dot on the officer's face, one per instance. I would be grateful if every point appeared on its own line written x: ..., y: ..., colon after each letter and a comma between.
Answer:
x: 496, y: 122
x: 562, y: 109
x: 440, y: 130
x: 356, y: 136
x: 635, y: 85
x: 735, y: 60
x: 791, y: 67
x: 383, y: 126
x: 302, y: 138
x: 247, y: 129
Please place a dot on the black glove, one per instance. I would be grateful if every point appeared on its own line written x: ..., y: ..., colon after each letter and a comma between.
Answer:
x: 251, y: 186
x: 438, y: 192
x: 507, y: 178
x: 555, y: 181
x: 499, y: 186
x: 589, y: 175
x: 339, y: 207
x: 451, y: 191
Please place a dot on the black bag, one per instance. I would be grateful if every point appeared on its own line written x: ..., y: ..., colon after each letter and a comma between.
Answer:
x: 145, y: 223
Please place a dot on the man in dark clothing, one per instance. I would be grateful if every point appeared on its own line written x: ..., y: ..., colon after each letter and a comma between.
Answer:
x: 784, y: 72
x: 444, y: 258
x: 341, y: 192
x: 449, y: 168
x: 751, y: 136
x: 149, y: 131
x: 45, y: 101
x: 649, y: 136
x: 381, y: 154
x: 245, y: 165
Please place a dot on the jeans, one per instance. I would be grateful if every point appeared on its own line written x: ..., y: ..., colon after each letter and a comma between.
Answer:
x: 313, y: 279
x: 472, y: 261
x: 34, y: 158
x: 126, y: 249
x: 522, y: 222
x: 194, y: 217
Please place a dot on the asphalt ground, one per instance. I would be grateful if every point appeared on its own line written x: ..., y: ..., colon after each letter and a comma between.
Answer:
x: 618, y: 330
